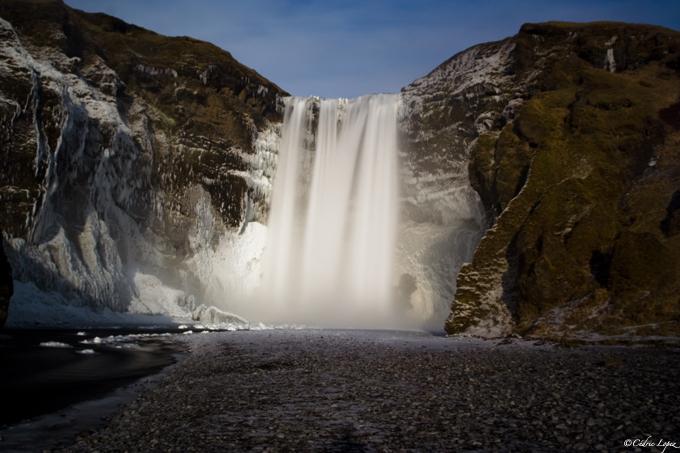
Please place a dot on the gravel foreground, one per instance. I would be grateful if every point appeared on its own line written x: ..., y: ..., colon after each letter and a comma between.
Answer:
x: 381, y: 391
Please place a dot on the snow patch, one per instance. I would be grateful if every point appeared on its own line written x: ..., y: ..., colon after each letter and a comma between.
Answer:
x: 32, y: 307
x: 155, y: 298
x: 610, y: 63
x: 54, y: 344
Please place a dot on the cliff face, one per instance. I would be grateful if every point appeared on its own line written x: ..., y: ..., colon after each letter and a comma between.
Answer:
x: 571, y: 131
x: 131, y: 161
x: 444, y: 218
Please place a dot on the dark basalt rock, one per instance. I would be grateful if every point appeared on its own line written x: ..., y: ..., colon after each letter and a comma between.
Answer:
x: 6, y: 283
x: 201, y: 99
x: 580, y: 186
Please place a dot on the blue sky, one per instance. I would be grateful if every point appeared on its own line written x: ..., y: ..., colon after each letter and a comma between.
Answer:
x: 347, y: 48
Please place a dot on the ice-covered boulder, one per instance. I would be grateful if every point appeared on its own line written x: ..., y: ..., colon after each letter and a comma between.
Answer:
x: 212, y: 315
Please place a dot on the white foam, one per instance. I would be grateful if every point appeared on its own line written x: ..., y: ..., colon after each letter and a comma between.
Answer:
x: 330, y: 249
x: 54, y: 344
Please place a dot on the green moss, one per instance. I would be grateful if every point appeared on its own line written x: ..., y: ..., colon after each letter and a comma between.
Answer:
x: 579, y: 235
x: 482, y: 169
x: 513, y: 162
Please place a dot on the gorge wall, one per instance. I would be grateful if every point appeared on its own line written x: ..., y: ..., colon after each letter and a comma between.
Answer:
x: 572, y: 136
x: 131, y: 162
x: 137, y: 175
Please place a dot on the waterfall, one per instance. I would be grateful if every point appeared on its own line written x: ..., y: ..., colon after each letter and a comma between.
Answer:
x: 329, y: 258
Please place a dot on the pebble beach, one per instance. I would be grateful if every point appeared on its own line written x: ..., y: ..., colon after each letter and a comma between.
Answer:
x: 383, y: 391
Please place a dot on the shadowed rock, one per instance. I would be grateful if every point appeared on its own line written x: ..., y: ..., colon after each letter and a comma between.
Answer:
x: 6, y: 283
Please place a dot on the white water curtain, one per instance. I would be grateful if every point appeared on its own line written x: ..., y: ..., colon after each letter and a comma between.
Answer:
x: 330, y: 247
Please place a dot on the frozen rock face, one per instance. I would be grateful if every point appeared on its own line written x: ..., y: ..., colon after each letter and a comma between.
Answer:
x: 444, y: 219
x: 132, y: 161
x: 569, y: 134
x: 6, y: 283
x: 212, y: 315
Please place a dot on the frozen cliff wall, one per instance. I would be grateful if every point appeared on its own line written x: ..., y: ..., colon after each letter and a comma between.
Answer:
x: 130, y: 160
x: 443, y: 216
x: 569, y: 133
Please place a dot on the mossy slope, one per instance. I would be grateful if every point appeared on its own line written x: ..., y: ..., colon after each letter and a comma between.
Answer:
x: 582, y: 187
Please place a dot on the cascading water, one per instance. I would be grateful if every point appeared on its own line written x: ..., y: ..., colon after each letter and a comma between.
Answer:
x: 329, y: 258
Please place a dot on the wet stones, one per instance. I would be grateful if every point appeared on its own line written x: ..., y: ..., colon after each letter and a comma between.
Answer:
x: 396, y: 391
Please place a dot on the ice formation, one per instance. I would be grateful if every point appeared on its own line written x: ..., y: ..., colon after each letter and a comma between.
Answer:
x: 54, y: 344
x: 90, y: 256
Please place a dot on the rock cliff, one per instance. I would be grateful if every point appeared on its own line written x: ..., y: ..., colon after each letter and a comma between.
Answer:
x: 570, y: 133
x: 6, y: 284
x: 131, y: 161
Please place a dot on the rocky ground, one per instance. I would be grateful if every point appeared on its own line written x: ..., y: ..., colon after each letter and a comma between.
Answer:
x: 361, y: 391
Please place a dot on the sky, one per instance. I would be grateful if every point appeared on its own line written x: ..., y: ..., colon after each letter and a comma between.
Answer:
x: 348, y: 48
